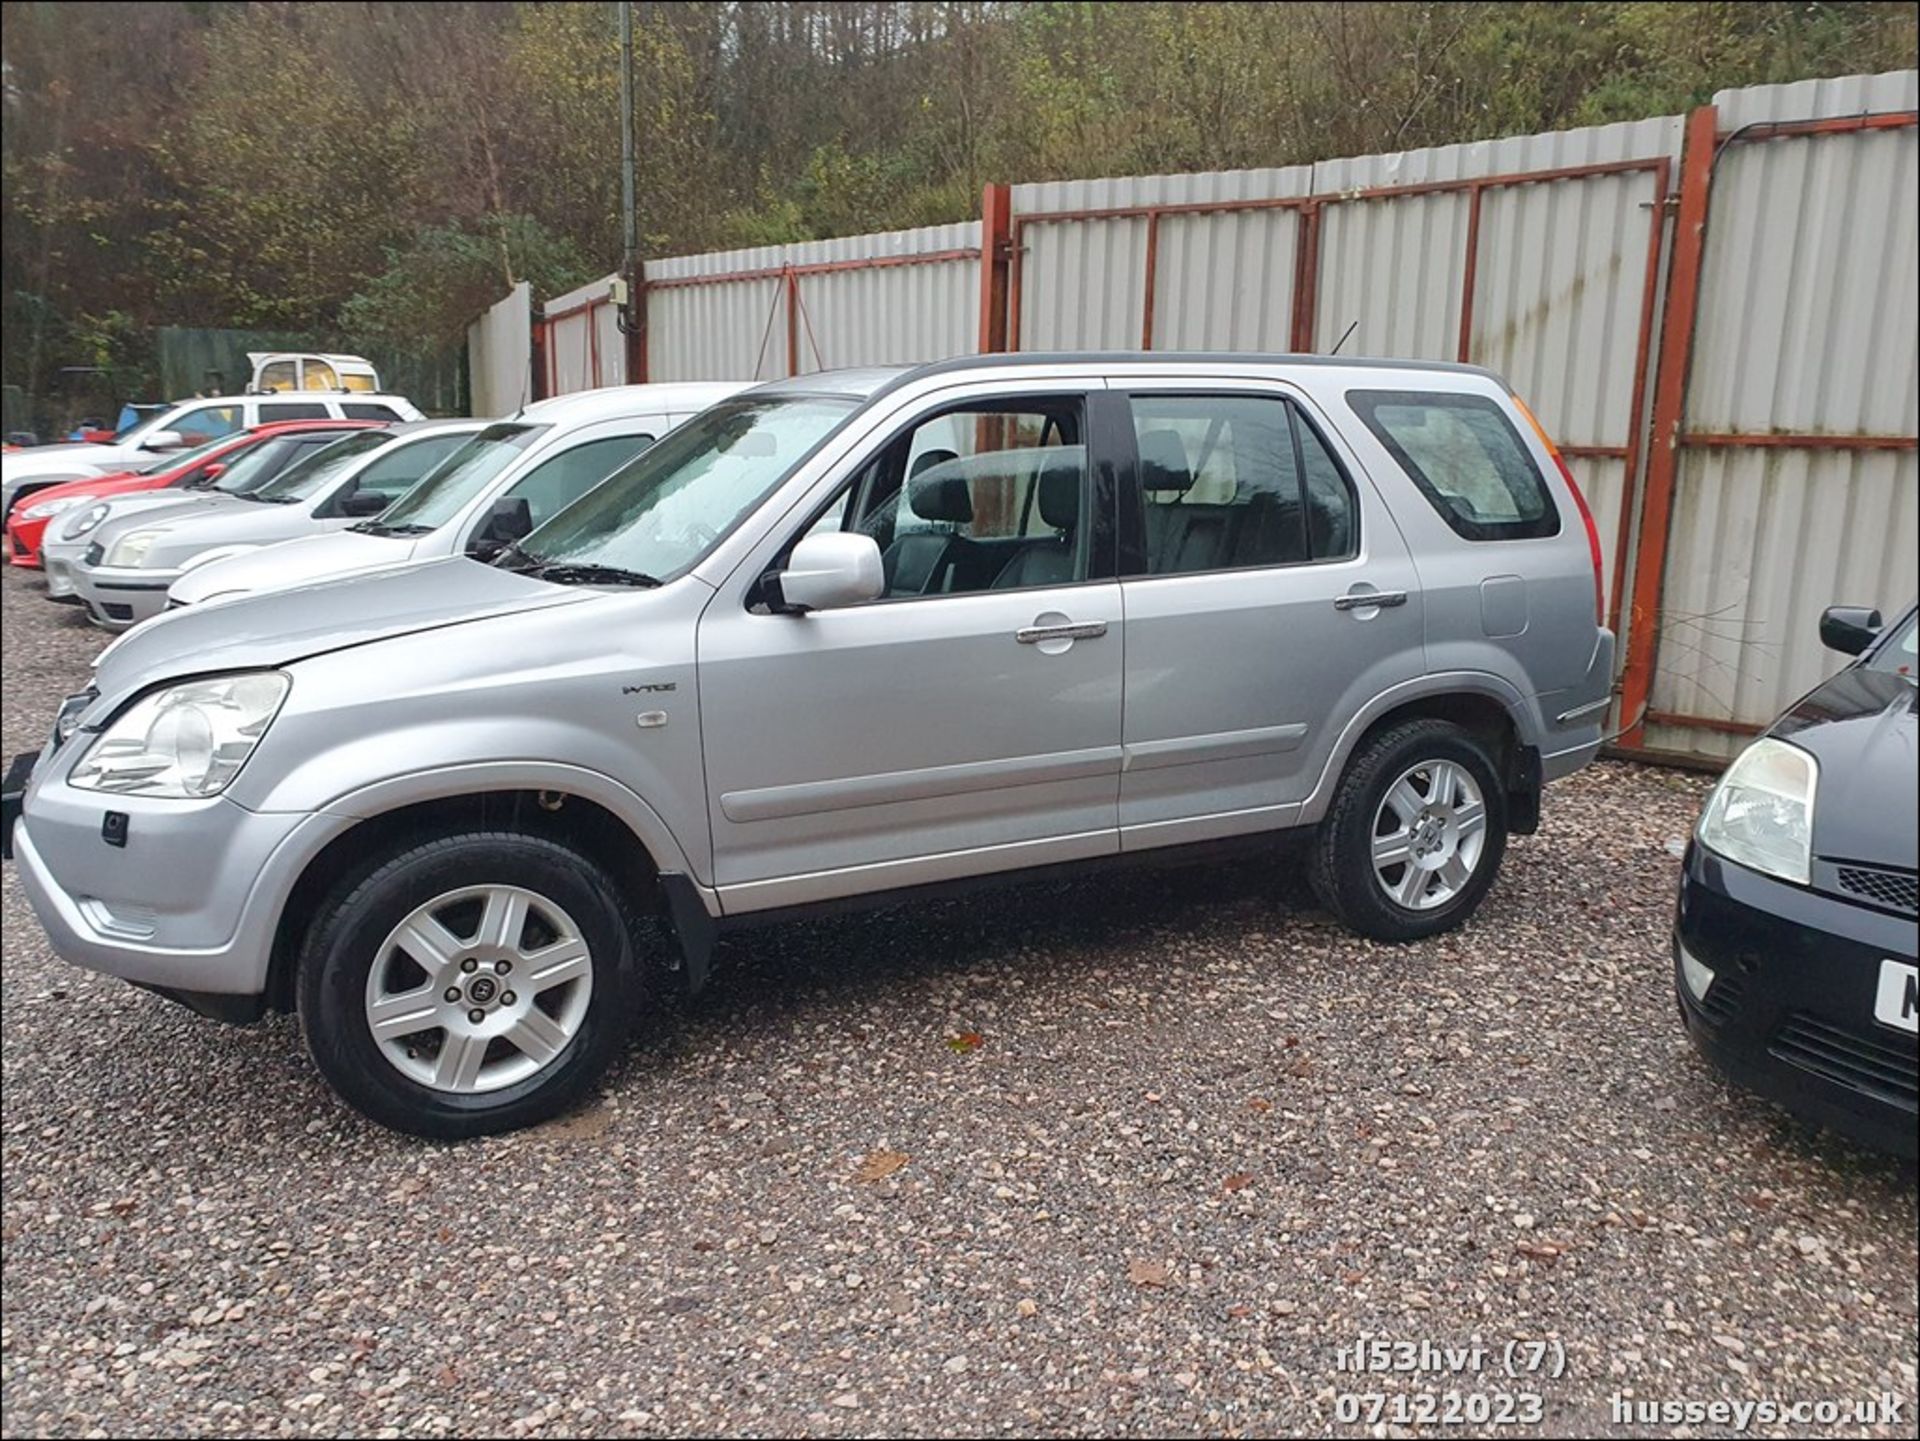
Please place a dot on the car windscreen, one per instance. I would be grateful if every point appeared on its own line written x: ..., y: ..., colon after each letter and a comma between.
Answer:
x: 180, y: 459
x: 311, y: 474
x: 661, y: 512
x: 461, y: 476
x: 1898, y: 652
x: 263, y: 460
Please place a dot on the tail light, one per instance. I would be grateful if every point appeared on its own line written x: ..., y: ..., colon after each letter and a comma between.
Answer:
x: 1580, y: 501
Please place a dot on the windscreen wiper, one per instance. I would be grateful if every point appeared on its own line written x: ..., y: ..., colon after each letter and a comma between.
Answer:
x: 561, y: 573
x: 369, y: 527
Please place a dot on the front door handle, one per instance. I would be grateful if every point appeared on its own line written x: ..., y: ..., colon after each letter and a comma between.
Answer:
x: 1069, y: 630
x: 1367, y: 599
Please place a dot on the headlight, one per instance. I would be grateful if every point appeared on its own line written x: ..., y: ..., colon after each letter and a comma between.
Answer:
x: 131, y: 548
x: 1761, y: 813
x: 53, y: 507
x: 185, y: 740
x: 79, y: 525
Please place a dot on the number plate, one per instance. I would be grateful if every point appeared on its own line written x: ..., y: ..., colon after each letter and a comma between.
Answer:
x: 1897, y: 1002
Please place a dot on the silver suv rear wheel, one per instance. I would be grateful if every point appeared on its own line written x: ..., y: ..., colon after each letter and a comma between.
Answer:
x: 1415, y: 834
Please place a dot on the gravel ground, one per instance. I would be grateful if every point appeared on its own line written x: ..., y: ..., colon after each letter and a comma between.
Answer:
x: 1127, y: 1156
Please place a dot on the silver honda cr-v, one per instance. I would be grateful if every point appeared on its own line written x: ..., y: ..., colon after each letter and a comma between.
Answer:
x: 848, y: 635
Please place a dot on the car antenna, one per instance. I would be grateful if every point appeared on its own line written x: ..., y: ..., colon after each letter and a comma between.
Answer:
x: 1355, y: 325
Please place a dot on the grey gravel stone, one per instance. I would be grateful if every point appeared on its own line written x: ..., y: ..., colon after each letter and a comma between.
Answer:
x: 1202, y: 1138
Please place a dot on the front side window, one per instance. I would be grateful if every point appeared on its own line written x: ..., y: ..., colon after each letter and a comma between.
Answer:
x: 554, y: 484
x: 1900, y: 651
x: 1234, y: 481
x: 209, y: 422
x: 1465, y: 457
x: 400, y: 469
x: 438, y: 497
x: 982, y: 497
x: 662, y: 511
x: 311, y: 474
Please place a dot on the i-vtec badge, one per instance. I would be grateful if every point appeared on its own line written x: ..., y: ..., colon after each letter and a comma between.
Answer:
x: 649, y: 689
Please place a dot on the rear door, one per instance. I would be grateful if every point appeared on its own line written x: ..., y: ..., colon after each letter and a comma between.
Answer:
x: 1268, y: 596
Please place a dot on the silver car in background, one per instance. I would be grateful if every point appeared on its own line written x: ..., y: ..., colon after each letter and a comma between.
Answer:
x: 845, y: 637
x: 122, y: 577
x: 507, y: 479
x: 69, y: 535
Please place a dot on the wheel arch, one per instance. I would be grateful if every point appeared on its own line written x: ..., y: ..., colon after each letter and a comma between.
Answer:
x: 563, y: 814
x: 1479, y: 702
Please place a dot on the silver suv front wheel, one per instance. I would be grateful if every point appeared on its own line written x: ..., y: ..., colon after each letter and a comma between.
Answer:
x: 469, y: 984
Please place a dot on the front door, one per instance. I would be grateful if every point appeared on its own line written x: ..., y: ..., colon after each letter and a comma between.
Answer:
x: 966, y: 722
x: 1270, y: 598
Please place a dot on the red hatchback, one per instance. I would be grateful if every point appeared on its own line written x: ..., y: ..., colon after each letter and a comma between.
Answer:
x: 27, y: 522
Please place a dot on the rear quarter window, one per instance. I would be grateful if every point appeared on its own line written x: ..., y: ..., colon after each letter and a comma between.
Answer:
x: 1466, y: 458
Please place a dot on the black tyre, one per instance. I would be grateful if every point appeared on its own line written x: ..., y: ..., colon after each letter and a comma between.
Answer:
x: 1415, y: 834
x: 471, y: 984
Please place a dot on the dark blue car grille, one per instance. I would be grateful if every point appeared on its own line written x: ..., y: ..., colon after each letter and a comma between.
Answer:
x: 1883, y: 1069
x: 1896, y: 890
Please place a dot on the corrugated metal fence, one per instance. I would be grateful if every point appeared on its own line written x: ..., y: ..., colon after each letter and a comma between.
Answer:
x: 1737, y: 398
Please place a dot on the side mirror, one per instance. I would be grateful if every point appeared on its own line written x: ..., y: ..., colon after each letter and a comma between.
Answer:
x: 365, y: 503
x: 1849, y: 629
x: 164, y: 440
x: 508, y: 519
x: 831, y: 570
x: 211, y: 471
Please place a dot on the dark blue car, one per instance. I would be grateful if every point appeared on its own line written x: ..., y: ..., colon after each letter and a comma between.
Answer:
x: 1795, y: 943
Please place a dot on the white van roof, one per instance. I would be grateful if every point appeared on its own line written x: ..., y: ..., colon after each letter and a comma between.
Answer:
x: 610, y: 402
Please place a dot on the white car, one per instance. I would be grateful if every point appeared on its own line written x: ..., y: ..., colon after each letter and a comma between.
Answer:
x: 509, y: 478
x: 123, y: 577
x: 191, y: 422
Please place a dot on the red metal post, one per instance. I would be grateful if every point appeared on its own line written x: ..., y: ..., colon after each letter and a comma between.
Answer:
x: 593, y: 346
x: 1636, y: 405
x: 996, y: 213
x: 1785, y: 441
x: 1306, y: 276
x: 1469, y: 274
x: 793, y: 322
x: 637, y: 326
x: 1669, y: 410
x: 1153, y: 266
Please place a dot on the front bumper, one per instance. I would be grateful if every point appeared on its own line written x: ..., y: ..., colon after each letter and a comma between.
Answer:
x: 120, y: 597
x: 189, y: 903
x: 1790, y: 1010
x: 57, y: 559
x: 23, y: 541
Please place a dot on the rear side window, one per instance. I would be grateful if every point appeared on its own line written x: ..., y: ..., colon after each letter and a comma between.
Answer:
x: 1466, y: 458
x: 1236, y: 481
x: 293, y: 411
x: 366, y: 410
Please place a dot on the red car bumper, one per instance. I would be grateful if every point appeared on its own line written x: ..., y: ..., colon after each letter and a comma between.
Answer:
x: 23, y: 541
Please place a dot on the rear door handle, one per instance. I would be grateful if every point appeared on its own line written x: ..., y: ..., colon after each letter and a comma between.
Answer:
x: 1072, y: 630
x: 1382, y: 598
